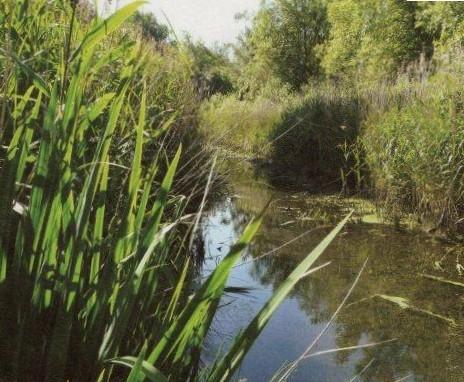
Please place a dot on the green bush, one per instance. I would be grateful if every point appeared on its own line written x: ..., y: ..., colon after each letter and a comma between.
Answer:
x: 241, y: 126
x: 415, y: 151
x: 310, y: 138
x: 370, y: 40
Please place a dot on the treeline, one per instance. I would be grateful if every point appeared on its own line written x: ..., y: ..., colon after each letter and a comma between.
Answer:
x: 299, y: 42
x: 366, y: 94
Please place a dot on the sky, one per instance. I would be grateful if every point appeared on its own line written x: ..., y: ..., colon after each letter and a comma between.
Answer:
x: 210, y: 21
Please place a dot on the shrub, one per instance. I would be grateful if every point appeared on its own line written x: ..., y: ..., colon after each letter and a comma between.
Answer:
x: 242, y: 126
x: 415, y: 151
x: 308, y: 140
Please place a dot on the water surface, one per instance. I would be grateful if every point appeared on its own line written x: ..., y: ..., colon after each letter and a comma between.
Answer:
x: 426, y: 348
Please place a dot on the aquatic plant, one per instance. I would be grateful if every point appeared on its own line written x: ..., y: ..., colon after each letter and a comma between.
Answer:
x: 94, y: 250
x: 414, y: 151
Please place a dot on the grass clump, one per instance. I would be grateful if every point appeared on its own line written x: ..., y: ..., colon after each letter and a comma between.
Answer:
x: 315, y: 130
x: 415, y: 152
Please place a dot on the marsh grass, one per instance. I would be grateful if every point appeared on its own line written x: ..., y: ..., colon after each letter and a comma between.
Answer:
x: 315, y: 129
x: 241, y: 126
x: 415, y: 152
x: 399, y: 141
x: 95, y: 269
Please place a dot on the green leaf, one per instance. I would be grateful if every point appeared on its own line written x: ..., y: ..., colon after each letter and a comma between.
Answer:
x: 100, y: 104
x: 226, y: 367
x: 153, y: 374
x: 161, y: 200
x: 36, y: 79
x: 126, y: 231
x: 200, y: 310
x: 107, y: 26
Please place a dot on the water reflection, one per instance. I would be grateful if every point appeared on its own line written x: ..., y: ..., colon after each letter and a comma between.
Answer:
x: 426, y: 348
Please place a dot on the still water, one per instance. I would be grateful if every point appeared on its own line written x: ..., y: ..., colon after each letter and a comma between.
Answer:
x: 426, y: 347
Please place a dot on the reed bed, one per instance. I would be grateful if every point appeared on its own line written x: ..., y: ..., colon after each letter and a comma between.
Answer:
x: 95, y: 206
x: 399, y: 142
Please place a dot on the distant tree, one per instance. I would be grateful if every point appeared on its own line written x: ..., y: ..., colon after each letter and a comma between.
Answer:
x: 211, y: 68
x: 346, y: 29
x: 444, y: 23
x: 370, y: 39
x: 150, y: 26
x: 283, y: 39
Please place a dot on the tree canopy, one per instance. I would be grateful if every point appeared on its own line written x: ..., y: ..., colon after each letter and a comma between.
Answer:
x: 297, y: 41
x: 150, y: 26
x: 283, y: 39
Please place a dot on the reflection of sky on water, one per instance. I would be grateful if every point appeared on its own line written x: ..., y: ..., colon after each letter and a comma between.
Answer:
x: 424, y: 350
x: 288, y: 333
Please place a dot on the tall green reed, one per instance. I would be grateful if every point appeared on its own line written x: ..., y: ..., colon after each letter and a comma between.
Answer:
x: 68, y: 262
x: 93, y: 254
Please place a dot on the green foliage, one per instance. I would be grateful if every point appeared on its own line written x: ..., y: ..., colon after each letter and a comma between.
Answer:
x: 282, y: 41
x: 150, y: 27
x: 346, y: 26
x: 67, y: 271
x: 370, y: 39
x: 240, y: 127
x: 308, y: 141
x: 212, y: 71
x: 415, y: 152
x: 347, y: 40
x: 443, y: 21
x: 377, y: 58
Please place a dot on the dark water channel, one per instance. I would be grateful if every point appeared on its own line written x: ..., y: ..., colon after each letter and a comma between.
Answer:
x: 427, y: 347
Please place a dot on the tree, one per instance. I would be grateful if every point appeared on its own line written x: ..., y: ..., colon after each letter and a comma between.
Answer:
x: 283, y: 39
x: 211, y: 68
x: 150, y: 26
x: 444, y: 23
x: 370, y: 39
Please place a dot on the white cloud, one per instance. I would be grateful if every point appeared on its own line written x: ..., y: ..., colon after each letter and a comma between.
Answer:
x: 207, y: 20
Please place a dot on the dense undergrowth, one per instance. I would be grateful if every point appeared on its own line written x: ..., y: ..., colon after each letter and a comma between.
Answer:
x: 415, y: 152
x: 380, y: 112
x: 401, y: 142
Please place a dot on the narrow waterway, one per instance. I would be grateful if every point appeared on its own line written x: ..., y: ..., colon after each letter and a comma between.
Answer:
x: 426, y: 347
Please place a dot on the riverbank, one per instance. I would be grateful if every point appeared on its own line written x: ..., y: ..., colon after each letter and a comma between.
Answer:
x: 371, y: 100
x: 401, y: 144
